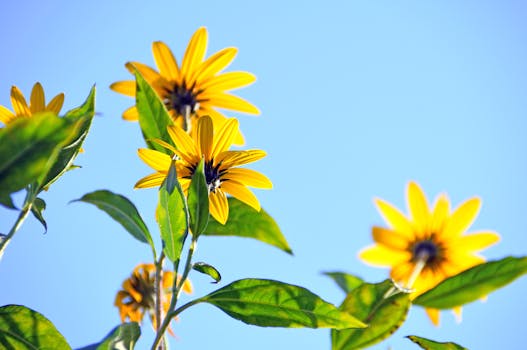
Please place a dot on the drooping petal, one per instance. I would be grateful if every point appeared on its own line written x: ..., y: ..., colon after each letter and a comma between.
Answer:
x: 394, y: 218
x: 229, y: 81
x: 462, y: 217
x: 19, y: 102
x: 248, y: 177
x: 165, y: 61
x: 125, y: 87
x: 55, y: 105
x: 152, y: 180
x: 194, y: 53
x: 131, y: 114
x: 241, y: 192
x: 231, y: 102
x: 381, y: 256
x: 433, y: 315
x: 417, y: 207
x: 37, y: 100
x: 219, y: 207
x: 155, y: 159
x: 389, y: 238
x: 225, y: 136
x: 214, y: 64
x: 6, y: 116
x: 205, y: 137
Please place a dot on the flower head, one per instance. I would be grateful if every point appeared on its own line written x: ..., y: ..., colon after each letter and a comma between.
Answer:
x: 37, y: 104
x: 197, y: 86
x: 430, y: 244
x: 221, y: 165
x: 138, y: 294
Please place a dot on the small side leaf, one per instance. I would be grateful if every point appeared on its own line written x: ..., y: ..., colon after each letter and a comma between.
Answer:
x: 268, y: 303
x: 428, y: 344
x: 172, y: 216
x: 122, y: 210
x: 208, y: 270
x: 373, y: 305
x: 344, y: 280
x: 244, y: 221
x: 198, y: 201
x: 153, y: 115
x: 36, y: 209
x: 122, y: 337
x: 473, y: 284
x: 24, y: 329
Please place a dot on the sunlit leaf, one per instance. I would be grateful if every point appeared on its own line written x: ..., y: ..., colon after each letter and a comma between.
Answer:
x: 122, y: 337
x: 24, y: 329
x: 122, y: 210
x: 244, y: 221
x: 473, y: 284
x: 377, y: 306
x: 172, y: 216
x: 153, y: 115
x: 198, y: 201
x: 36, y: 209
x: 268, y: 303
x: 344, y: 280
x: 208, y: 270
x: 428, y: 344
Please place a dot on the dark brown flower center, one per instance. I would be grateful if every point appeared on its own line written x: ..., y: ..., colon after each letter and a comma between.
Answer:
x: 213, y: 175
x: 426, y: 250
x: 181, y: 99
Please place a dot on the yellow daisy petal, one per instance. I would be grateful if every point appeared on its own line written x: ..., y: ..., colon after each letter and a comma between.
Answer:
x: 241, y: 192
x: 194, y: 53
x: 6, y: 116
x: 433, y: 315
x: 219, y: 120
x: 440, y: 213
x: 381, y: 256
x: 248, y: 177
x: 131, y: 114
x: 19, y: 102
x: 148, y: 73
x: 229, y: 159
x: 231, y: 102
x: 476, y: 241
x: 229, y: 81
x: 219, y: 207
x: 125, y: 87
x: 183, y: 141
x: 394, y: 218
x: 205, y: 137
x: 55, y: 105
x: 214, y: 64
x: 389, y: 238
x: 462, y: 217
x: 417, y: 206
x: 458, y: 312
x: 165, y: 61
x: 152, y: 180
x: 155, y: 159
x: 225, y: 136
x: 37, y: 100
x: 187, y: 287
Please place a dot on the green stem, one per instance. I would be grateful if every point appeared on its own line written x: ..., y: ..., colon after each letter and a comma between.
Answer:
x: 159, y: 269
x: 28, y: 203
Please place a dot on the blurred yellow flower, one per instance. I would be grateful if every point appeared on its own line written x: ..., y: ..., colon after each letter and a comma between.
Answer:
x: 197, y: 87
x: 138, y: 294
x: 37, y: 104
x: 429, y: 245
x: 221, y: 172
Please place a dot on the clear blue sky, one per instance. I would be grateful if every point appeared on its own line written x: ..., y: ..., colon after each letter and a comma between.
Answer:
x: 357, y: 98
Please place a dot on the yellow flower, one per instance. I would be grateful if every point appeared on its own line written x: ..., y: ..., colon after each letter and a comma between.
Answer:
x: 197, y: 86
x: 221, y: 165
x: 430, y: 244
x: 37, y: 104
x: 138, y: 294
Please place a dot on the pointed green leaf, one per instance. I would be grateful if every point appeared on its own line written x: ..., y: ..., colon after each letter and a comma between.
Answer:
x: 122, y: 337
x: 344, y: 280
x: 153, y: 115
x: 29, y: 148
x: 84, y: 115
x: 24, y: 329
x: 244, y: 221
x: 208, y: 270
x: 428, y: 344
x: 122, y: 210
x: 198, y: 201
x: 172, y: 216
x: 376, y: 305
x: 268, y: 303
x: 37, y: 208
x: 473, y: 284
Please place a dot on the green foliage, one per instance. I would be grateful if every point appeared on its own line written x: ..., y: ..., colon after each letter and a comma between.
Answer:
x: 83, y: 115
x: 244, y: 221
x: 428, y: 344
x: 153, y: 115
x: 122, y: 337
x: 172, y: 216
x: 344, y: 280
x: 198, y: 201
x: 268, y: 303
x: 24, y: 329
x: 208, y: 270
x: 379, y: 305
x: 29, y: 148
x: 122, y: 210
x: 36, y: 209
x: 473, y: 284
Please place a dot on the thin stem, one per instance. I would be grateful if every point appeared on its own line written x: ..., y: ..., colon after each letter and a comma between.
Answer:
x: 407, y: 287
x: 28, y: 203
x: 184, y: 307
x: 159, y: 269
x: 186, y: 119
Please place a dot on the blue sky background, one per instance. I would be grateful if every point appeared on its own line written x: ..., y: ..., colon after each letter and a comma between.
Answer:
x: 357, y: 98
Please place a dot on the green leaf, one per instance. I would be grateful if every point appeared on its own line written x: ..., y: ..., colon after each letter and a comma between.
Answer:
x: 428, y: 344
x: 473, y: 284
x: 198, y: 201
x: 37, y: 208
x: 84, y: 115
x: 268, y: 303
x: 344, y: 280
x: 122, y: 210
x: 122, y: 337
x: 153, y: 115
x: 208, y: 270
x: 29, y: 148
x: 244, y: 221
x: 24, y: 329
x: 172, y: 216
x: 379, y: 305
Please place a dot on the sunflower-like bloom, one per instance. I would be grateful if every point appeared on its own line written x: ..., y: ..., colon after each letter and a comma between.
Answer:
x: 429, y: 245
x: 197, y: 86
x: 221, y: 165
x: 138, y: 294
x: 37, y: 104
